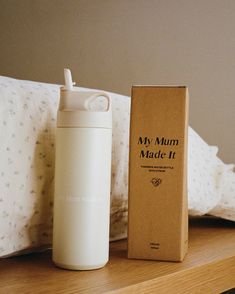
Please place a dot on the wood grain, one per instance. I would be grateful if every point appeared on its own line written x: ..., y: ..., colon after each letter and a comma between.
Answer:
x: 209, y: 267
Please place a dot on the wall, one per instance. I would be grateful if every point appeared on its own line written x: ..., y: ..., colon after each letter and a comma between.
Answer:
x: 112, y: 44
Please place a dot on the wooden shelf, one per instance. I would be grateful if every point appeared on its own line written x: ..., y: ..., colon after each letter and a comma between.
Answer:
x: 208, y: 268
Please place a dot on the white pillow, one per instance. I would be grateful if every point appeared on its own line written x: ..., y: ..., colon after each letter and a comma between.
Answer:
x: 27, y: 125
x: 27, y: 132
x: 203, y: 168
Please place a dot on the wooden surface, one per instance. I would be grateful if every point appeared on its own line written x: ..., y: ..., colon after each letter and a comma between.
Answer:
x: 208, y: 268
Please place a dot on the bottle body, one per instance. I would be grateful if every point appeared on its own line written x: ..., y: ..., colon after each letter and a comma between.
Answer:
x: 82, y: 197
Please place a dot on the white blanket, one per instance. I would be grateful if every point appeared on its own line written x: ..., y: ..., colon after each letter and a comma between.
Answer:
x: 27, y: 129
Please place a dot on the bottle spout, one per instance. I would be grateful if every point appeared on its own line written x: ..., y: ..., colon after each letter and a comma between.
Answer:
x: 73, y: 99
x: 68, y: 80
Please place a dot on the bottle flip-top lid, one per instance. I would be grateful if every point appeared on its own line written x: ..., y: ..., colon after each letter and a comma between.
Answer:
x: 83, y: 108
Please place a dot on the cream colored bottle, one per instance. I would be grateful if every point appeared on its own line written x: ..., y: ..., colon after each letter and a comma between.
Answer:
x: 82, y: 180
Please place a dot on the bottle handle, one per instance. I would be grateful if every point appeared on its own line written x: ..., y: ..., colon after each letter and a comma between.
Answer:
x: 95, y: 96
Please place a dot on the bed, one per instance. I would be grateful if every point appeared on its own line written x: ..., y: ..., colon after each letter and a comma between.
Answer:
x: 27, y: 130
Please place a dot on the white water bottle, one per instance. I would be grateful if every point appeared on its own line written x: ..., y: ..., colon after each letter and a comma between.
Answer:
x: 82, y: 180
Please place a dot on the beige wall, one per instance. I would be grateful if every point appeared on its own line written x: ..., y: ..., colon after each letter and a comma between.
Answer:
x: 112, y: 44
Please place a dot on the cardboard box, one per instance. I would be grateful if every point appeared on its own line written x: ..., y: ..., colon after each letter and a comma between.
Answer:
x: 158, y: 210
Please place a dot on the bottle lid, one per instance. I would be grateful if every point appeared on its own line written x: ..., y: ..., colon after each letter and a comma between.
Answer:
x: 79, y: 108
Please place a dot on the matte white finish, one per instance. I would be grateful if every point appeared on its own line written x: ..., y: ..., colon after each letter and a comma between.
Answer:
x: 82, y: 193
x: 82, y: 181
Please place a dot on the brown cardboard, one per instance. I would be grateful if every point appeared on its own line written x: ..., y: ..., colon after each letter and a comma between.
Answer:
x: 158, y: 215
